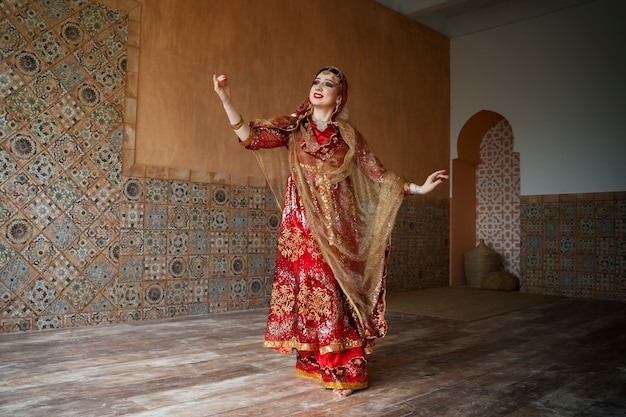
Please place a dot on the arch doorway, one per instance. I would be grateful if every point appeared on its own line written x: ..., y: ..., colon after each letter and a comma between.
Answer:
x: 485, y: 200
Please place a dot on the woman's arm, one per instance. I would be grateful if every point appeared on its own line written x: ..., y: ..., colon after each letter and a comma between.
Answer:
x: 252, y: 138
x: 373, y: 168
x: 432, y: 181
x: 222, y: 88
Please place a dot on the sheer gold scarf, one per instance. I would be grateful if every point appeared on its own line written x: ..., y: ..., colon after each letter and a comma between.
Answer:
x: 358, y: 267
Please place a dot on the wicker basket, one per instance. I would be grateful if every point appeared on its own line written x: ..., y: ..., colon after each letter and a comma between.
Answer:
x: 479, y: 262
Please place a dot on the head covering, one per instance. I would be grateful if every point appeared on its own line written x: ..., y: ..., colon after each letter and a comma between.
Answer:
x: 305, y: 108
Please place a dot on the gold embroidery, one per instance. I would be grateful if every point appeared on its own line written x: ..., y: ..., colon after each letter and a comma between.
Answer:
x: 283, y: 300
x: 314, y: 250
x: 314, y: 303
x: 291, y: 243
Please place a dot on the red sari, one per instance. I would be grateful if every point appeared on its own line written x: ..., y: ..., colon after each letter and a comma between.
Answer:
x: 310, y: 312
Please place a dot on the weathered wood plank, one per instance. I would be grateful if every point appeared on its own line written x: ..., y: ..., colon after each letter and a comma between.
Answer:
x: 562, y: 358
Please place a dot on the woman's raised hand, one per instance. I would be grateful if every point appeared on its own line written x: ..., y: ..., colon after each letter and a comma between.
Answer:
x: 222, y: 87
x: 433, y: 180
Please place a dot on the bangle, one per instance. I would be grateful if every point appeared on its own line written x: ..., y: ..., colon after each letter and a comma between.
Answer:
x: 414, y: 189
x: 238, y: 124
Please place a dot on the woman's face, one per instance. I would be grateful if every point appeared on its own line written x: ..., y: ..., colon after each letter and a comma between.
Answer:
x: 325, y: 90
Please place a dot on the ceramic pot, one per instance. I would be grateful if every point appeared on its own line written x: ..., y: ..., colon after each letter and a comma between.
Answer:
x: 479, y: 262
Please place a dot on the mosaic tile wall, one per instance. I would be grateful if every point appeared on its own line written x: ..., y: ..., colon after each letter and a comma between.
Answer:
x: 194, y: 248
x: 574, y: 245
x: 62, y: 79
x: 420, y: 251
x: 498, y: 196
x: 88, y: 238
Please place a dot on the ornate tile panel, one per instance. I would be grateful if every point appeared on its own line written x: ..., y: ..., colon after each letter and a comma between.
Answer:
x: 575, y: 237
x: 498, y: 194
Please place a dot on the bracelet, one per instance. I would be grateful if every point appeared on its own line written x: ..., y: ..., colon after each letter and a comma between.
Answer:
x: 238, y: 124
x: 414, y: 189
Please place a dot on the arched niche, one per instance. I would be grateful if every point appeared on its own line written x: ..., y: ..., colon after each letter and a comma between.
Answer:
x: 463, y: 201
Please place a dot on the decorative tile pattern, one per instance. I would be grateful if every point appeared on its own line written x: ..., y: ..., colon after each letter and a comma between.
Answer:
x: 51, y: 86
x: 198, y: 267
x: 131, y: 268
x: 39, y: 295
x: 155, y: 242
x: 80, y: 293
x: 220, y: 195
x: 155, y: 294
x: 62, y: 232
x: 572, y: 246
x: 157, y: 191
x: 61, y: 274
x: 156, y: 216
x: 419, y: 246
x: 154, y: 268
x: 19, y: 231
x: 177, y: 267
x: 498, y: 196
x: 40, y: 253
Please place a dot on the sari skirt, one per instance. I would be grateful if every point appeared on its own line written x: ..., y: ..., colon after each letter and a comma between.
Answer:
x: 308, y: 311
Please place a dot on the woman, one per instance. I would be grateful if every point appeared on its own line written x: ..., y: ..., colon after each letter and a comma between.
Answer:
x: 339, y: 205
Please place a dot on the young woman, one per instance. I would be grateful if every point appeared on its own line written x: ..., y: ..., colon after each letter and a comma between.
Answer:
x: 338, y: 208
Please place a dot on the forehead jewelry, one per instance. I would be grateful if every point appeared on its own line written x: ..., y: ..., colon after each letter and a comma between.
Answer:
x: 336, y: 80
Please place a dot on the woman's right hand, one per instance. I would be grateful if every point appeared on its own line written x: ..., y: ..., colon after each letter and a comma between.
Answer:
x: 222, y: 87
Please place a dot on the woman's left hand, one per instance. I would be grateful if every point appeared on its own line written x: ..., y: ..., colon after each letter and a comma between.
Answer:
x: 433, y: 180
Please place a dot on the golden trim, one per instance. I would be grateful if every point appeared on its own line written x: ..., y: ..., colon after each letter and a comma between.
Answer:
x: 288, y: 345
x: 344, y: 385
x: 238, y: 125
x: 338, y: 347
x: 306, y: 374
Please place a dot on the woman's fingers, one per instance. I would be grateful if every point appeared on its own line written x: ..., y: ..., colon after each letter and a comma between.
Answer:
x: 219, y: 81
x: 440, y: 175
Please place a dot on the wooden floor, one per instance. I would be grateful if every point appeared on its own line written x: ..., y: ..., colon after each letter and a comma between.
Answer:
x: 563, y: 358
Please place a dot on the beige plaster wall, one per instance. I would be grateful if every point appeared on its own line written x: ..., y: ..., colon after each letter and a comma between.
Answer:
x: 398, y: 73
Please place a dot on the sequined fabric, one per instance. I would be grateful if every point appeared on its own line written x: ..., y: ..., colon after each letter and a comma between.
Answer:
x: 338, y: 211
x: 339, y: 206
x: 308, y: 310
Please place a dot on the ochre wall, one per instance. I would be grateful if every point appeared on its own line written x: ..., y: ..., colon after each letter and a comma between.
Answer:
x: 398, y: 73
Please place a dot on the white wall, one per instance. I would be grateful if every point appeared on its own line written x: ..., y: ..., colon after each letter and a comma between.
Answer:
x: 560, y: 80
